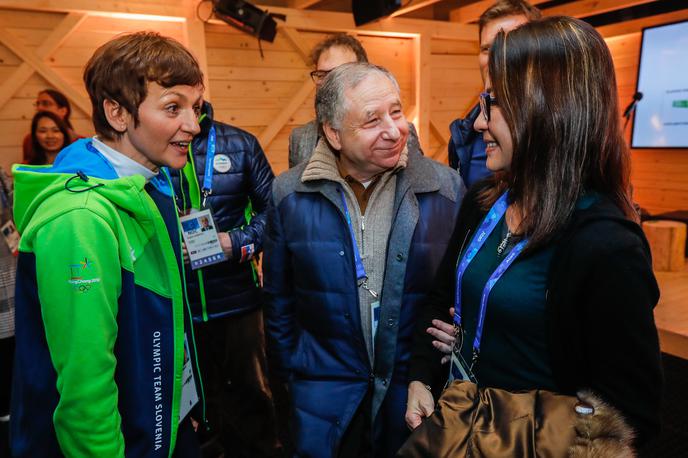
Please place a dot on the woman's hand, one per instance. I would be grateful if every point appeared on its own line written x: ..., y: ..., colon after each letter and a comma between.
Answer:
x: 420, y: 404
x: 445, y: 335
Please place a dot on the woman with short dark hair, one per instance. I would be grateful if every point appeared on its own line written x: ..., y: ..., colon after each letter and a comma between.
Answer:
x: 549, y: 272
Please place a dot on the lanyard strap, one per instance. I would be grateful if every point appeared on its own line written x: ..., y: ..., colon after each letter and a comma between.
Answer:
x: 361, y: 276
x: 486, y: 227
x: 209, y: 159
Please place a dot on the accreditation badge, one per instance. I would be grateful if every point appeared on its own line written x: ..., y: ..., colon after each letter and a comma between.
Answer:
x: 200, y: 235
x: 458, y: 368
x: 189, y: 393
x: 374, y: 318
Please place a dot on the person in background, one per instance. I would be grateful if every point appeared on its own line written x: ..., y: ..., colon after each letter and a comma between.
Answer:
x: 104, y: 344
x: 55, y: 102
x: 326, y: 56
x: 225, y: 298
x: 8, y: 267
x: 466, y: 145
x: 553, y: 273
x: 49, y: 135
x: 352, y: 244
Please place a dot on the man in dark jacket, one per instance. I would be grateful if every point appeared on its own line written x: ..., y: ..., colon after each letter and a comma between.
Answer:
x: 466, y: 146
x: 352, y: 245
x: 225, y: 297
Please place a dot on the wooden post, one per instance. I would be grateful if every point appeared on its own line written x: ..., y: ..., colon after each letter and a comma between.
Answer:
x: 422, y: 56
x: 667, y: 243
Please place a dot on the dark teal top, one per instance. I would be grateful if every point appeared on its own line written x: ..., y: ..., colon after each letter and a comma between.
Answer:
x: 513, y: 352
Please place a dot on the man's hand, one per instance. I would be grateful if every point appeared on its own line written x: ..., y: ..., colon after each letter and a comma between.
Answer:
x: 225, y: 243
x: 445, y: 335
x: 420, y: 404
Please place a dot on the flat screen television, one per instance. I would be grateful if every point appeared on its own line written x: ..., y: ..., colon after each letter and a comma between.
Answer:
x: 661, y: 117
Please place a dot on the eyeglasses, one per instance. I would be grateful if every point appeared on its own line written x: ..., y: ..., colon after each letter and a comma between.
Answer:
x: 319, y: 75
x: 486, y: 102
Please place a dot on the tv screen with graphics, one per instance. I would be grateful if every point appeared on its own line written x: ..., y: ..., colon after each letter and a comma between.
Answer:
x: 661, y: 117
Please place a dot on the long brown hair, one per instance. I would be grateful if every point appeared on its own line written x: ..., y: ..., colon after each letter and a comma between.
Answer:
x: 555, y: 84
x: 39, y: 155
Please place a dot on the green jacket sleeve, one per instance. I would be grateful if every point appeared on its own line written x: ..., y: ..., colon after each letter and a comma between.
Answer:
x: 79, y: 282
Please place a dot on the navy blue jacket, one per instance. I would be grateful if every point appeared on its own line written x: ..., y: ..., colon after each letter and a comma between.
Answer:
x: 466, y: 149
x: 230, y: 287
x: 312, y: 310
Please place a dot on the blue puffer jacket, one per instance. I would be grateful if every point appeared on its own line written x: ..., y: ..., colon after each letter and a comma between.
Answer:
x: 241, y: 177
x: 466, y: 149
x: 311, y: 298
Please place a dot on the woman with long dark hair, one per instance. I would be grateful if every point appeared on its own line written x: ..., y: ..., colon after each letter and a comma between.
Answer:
x: 54, y: 102
x: 49, y: 135
x: 550, y: 274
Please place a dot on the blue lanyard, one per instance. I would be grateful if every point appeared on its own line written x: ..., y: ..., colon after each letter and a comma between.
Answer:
x: 361, y: 276
x: 486, y: 227
x: 209, y: 159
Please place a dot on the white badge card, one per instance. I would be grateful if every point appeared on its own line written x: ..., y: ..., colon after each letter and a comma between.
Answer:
x: 189, y: 394
x: 11, y: 236
x: 202, y: 242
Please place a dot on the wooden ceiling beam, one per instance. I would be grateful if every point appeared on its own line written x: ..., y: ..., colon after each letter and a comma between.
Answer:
x: 472, y: 12
x: 413, y: 5
x: 40, y: 67
x: 637, y: 25
x: 17, y: 79
x: 586, y: 8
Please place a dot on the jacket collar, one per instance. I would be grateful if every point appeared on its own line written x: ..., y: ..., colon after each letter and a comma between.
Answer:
x: 206, y: 119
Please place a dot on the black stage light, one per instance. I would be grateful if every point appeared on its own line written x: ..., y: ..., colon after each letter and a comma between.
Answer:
x: 369, y: 10
x: 247, y: 18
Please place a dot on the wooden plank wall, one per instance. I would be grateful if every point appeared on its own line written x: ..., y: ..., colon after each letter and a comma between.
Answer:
x: 31, y: 28
x: 660, y: 177
x: 455, y: 87
x: 248, y: 91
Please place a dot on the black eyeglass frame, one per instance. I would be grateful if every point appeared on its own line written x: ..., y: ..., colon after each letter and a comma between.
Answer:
x: 317, y: 75
x: 486, y: 102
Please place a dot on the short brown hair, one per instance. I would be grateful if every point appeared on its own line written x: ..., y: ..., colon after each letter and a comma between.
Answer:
x: 504, y: 8
x: 345, y: 41
x: 121, y: 69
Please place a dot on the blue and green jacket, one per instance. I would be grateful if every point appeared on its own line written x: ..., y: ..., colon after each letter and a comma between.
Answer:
x: 99, y: 313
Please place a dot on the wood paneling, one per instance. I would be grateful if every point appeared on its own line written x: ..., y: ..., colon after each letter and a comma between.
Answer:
x: 251, y: 92
x: 30, y: 30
